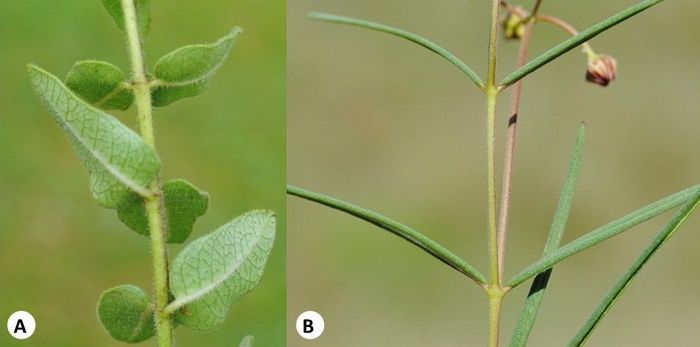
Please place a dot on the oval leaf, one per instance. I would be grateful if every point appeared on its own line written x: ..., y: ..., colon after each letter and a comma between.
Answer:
x: 101, y: 84
x: 187, y: 71
x: 114, y: 8
x: 127, y: 314
x: 116, y: 157
x: 184, y: 203
x: 216, y: 270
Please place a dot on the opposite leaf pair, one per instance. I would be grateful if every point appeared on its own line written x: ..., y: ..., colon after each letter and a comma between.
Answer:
x: 209, y: 276
x: 183, y: 73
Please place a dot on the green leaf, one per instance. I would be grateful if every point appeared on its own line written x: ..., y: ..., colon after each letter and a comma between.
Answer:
x: 188, y: 71
x: 101, y: 84
x: 405, y: 35
x: 215, y: 271
x: 127, y: 313
x: 604, y: 233
x: 556, y: 231
x: 116, y: 157
x: 614, y: 294
x: 184, y: 203
x: 247, y: 341
x: 576, y: 41
x: 114, y: 8
x: 401, y: 230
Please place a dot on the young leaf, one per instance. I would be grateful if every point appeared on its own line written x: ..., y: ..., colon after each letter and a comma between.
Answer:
x: 127, y: 313
x: 114, y: 8
x: 604, y: 233
x: 556, y: 231
x: 611, y: 298
x: 247, y: 341
x: 116, y: 157
x: 184, y: 203
x: 576, y: 41
x: 216, y: 270
x: 435, y: 48
x: 403, y: 231
x: 101, y: 84
x: 188, y: 71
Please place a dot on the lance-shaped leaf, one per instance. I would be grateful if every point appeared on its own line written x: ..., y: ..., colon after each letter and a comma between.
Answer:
x: 619, y: 288
x: 216, y: 270
x: 604, y: 233
x: 556, y: 232
x: 399, y: 229
x: 188, y: 71
x: 433, y: 47
x: 118, y: 160
x: 127, y: 313
x: 114, y: 8
x: 101, y: 84
x: 184, y: 203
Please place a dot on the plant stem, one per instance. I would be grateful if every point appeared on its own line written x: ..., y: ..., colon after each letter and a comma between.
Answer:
x: 154, y: 204
x: 569, y: 29
x: 496, y: 294
x: 494, y: 290
x: 506, y: 190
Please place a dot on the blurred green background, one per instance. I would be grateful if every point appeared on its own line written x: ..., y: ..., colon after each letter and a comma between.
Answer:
x: 383, y: 123
x: 58, y: 249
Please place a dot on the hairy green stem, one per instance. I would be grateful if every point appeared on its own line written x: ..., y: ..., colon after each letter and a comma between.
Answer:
x: 154, y: 204
x: 494, y: 289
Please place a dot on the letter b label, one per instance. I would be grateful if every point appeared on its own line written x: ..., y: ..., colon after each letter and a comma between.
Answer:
x: 310, y: 325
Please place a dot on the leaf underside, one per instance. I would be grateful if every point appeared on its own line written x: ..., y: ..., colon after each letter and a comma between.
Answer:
x: 114, y: 8
x: 118, y: 160
x: 127, y: 314
x: 183, y: 203
x: 216, y: 270
x: 188, y: 71
x: 101, y: 84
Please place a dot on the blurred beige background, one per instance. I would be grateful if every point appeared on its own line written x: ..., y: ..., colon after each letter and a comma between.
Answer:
x: 383, y: 123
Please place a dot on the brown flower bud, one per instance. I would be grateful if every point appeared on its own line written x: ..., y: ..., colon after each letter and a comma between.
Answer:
x: 514, y: 25
x: 601, y: 70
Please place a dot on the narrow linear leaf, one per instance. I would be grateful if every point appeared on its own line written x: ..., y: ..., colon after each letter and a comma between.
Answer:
x: 188, y: 71
x: 605, y: 232
x: 116, y: 157
x: 403, y: 231
x: 406, y: 35
x: 127, y: 313
x: 215, y: 271
x: 614, y: 294
x: 247, y: 341
x: 114, y: 8
x: 556, y: 232
x: 576, y: 41
x: 183, y: 202
x: 101, y: 84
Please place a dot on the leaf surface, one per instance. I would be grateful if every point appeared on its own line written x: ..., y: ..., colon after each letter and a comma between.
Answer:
x: 184, y: 203
x: 188, y: 71
x: 127, y: 313
x: 556, y: 232
x: 118, y: 160
x: 215, y: 271
x: 114, y: 8
x: 101, y: 84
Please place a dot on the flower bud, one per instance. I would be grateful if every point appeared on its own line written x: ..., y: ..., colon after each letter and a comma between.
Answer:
x: 514, y: 25
x: 601, y: 69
